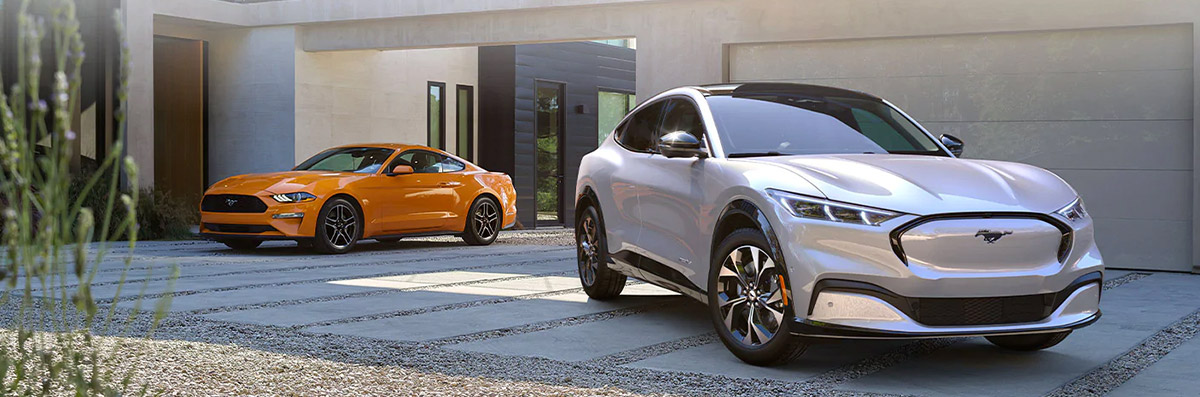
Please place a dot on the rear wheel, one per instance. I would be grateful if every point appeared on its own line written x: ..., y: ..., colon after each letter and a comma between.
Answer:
x: 338, y: 227
x: 747, y: 303
x: 242, y: 244
x: 483, y: 222
x: 1029, y: 342
x: 599, y: 282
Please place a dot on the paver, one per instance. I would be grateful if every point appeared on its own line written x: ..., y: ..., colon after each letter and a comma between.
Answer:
x: 316, y: 312
x: 601, y: 338
x: 1173, y: 375
x: 1132, y: 313
x: 300, y: 275
x: 449, y: 323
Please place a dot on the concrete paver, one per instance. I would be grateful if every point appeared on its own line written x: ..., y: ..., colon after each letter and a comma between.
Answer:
x: 1173, y: 375
x: 450, y: 323
x: 715, y: 359
x: 601, y: 338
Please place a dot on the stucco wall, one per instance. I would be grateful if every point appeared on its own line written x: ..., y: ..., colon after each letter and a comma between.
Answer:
x: 375, y: 96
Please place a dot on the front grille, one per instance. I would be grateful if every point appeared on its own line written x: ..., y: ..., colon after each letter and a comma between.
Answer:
x: 232, y: 203
x: 981, y: 311
x: 227, y: 228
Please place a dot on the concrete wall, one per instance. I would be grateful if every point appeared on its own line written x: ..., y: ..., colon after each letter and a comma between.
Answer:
x: 375, y: 96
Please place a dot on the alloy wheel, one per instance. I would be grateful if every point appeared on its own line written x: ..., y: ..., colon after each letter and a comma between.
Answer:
x: 487, y: 220
x: 341, y: 224
x: 750, y: 296
x: 589, y: 255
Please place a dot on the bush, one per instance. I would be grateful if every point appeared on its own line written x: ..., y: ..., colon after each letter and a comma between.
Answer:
x: 160, y: 214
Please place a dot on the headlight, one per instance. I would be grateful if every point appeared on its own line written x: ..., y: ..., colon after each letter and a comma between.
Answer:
x: 298, y: 197
x: 815, y: 208
x: 1074, y: 212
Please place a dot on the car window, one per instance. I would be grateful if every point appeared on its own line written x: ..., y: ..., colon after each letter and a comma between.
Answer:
x: 426, y: 162
x: 641, y: 131
x: 681, y: 115
x: 451, y: 165
x: 363, y: 160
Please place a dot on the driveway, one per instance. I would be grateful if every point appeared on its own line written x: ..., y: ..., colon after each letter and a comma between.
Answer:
x: 514, y: 311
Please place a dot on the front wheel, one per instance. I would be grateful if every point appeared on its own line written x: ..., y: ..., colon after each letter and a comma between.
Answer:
x: 338, y: 227
x: 1029, y: 342
x: 746, y: 299
x: 483, y: 222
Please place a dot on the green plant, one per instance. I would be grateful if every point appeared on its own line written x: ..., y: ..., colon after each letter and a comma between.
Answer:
x: 46, y: 261
x: 159, y: 214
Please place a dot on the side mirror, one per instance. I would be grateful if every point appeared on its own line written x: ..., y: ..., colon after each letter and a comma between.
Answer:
x: 401, y: 170
x: 681, y: 144
x: 954, y: 144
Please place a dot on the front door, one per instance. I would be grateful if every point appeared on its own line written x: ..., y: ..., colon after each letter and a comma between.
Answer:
x: 549, y: 132
x: 424, y: 201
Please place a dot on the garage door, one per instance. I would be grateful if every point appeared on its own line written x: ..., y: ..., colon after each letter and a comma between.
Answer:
x: 1109, y: 110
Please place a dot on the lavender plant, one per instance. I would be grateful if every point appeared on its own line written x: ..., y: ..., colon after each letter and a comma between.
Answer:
x: 49, y: 344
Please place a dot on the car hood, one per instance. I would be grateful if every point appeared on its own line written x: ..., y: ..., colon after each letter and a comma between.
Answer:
x: 276, y: 182
x: 923, y: 185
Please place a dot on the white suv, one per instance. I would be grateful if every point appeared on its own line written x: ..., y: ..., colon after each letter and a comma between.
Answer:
x: 799, y: 211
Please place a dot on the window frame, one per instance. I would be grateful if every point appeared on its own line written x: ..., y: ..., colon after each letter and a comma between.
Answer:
x: 441, y: 132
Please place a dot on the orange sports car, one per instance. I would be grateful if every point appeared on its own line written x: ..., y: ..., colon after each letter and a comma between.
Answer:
x: 348, y: 193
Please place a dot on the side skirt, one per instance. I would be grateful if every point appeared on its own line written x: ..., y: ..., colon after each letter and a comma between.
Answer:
x: 640, y: 267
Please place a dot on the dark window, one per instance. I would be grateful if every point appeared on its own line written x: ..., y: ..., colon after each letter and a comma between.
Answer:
x: 642, y: 129
x: 682, y: 115
x: 426, y: 162
x: 464, y: 125
x: 362, y: 160
x: 437, y: 115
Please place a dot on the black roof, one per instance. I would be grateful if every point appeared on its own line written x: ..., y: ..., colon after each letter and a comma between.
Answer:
x: 785, y: 88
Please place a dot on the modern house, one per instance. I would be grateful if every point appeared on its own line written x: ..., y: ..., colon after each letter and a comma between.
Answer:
x: 1094, y: 90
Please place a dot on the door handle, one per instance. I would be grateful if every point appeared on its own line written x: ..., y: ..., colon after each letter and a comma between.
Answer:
x: 449, y: 184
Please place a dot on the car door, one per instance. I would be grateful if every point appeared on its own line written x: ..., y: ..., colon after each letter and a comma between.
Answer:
x: 425, y: 200
x: 672, y: 202
x: 623, y: 219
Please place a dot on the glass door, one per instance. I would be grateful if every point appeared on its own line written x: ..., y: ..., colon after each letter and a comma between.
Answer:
x: 549, y: 128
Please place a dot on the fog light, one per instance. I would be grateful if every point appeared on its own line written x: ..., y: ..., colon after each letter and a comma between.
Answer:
x: 288, y: 215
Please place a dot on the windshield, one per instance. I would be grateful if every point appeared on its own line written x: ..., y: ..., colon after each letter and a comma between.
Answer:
x: 784, y: 124
x: 362, y: 160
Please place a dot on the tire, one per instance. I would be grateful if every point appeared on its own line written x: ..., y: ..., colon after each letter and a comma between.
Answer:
x: 339, y: 227
x: 1031, y: 342
x: 483, y: 222
x: 773, y: 344
x: 242, y: 244
x: 591, y: 248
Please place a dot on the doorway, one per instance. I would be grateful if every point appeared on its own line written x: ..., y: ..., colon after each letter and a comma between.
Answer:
x: 180, y: 118
x: 549, y: 127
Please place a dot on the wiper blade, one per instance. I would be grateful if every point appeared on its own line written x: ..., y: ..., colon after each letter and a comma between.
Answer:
x: 755, y: 154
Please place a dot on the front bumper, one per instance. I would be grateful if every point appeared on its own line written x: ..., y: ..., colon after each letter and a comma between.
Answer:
x: 280, y: 221
x: 859, y: 310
